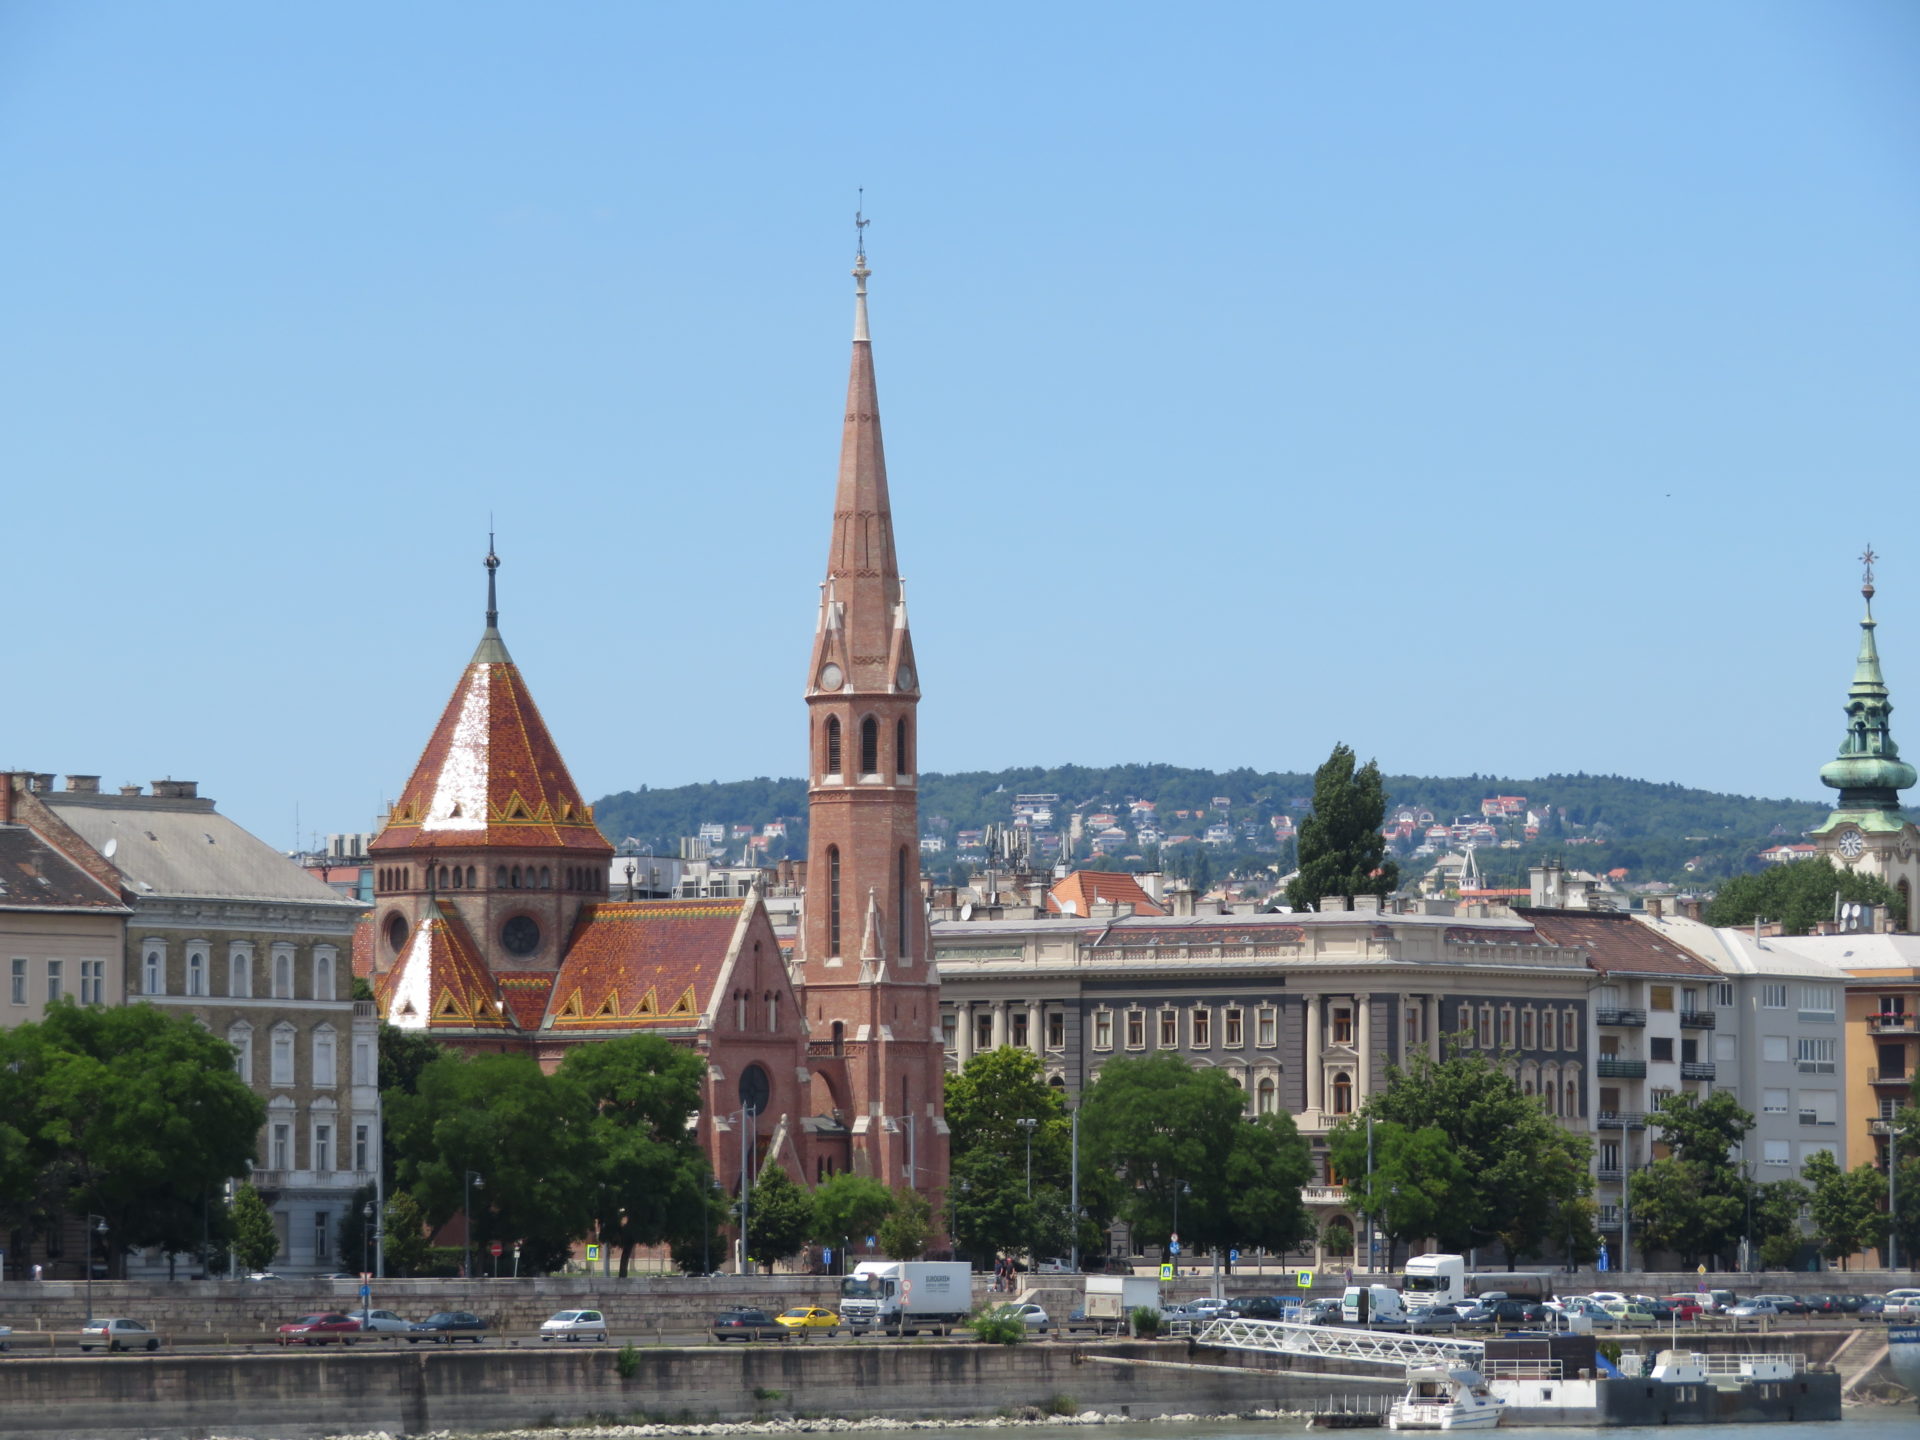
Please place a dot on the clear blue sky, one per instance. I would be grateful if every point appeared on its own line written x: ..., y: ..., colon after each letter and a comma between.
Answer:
x: 1496, y: 387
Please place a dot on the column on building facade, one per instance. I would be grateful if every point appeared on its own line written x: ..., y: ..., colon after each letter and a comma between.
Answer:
x: 962, y: 1032
x: 1433, y: 1026
x: 1363, y: 1017
x: 999, y: 1023
x: 1316, y: 1072
x: 1035, y: 1041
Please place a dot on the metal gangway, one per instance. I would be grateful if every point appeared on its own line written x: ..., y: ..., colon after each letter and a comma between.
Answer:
x: 1339, y: 1342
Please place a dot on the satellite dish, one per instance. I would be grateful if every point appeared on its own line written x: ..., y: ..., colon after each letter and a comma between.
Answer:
x: 966, y: 911
x: 112, y: 845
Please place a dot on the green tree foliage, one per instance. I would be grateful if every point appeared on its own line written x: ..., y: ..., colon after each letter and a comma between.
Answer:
x: 1518, y: 1169
x: 405, y: 1239
x: 1416, y: 1174
x: 1693, y: 1202
x: 991, y: 1208
x: 1342, y: 852
x: 908, y: 1228
x: 529, y: 1137
x: 1906, y: 1218
x: 779, y: 1217
x: 254, y: 1239
x: 1799, y: 894
x: 846, y: 1205
x: 133, y: 1113
x: 1336, y: 1238
x: 649, y: 1177
x: 1157, y: 1134
x: 354, y: 1235
x: 1776, y: 1222
x: 1846, y: 1207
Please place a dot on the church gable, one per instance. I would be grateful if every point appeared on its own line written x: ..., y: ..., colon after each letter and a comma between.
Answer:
x: 440, y: 982
x: 642, y: 965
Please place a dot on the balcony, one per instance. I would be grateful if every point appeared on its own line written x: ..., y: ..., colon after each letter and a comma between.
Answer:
x: 1881, y: 1127
x: 1619, y: 1017
x: 1609, y: 1174
x: 1620, y: 1120
x: 1696, y: 1020
x: 1323, y: 1194
x: 1899, y: 1079
x: 1893, y: 1022
x: 1696, y: 1069
x: 1619, y: 1068
x: 1609, y: 1220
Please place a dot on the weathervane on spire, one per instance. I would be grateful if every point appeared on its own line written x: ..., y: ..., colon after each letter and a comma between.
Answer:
x: 492, y: 563
x: 1867, y: 557
x: 860, y: 271
x: 860, y: 223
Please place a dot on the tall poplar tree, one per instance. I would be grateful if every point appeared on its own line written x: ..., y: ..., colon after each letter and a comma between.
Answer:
x: 1342, y: 852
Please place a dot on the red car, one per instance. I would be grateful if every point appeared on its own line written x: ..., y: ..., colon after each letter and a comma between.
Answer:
x: 318, y: 1329
x: 1686, y: 1307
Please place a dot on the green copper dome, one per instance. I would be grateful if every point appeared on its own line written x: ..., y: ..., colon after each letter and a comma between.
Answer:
x: 1869, y: 773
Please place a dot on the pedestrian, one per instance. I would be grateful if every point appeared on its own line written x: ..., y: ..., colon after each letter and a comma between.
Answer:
x: 36, y: 1269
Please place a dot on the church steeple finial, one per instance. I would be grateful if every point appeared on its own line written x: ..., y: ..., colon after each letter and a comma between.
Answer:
x: 1868, y: 772
x: 492, y: 649
x: 492, y: 562
x: 860, y: 271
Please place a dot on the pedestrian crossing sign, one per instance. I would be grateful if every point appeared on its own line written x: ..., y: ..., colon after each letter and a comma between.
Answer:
x: 1303, y: 1279
x: 1166, y: 1272
x: 593, y: 1252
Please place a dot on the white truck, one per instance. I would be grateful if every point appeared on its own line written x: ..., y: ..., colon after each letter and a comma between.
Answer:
x: 902, y: 1297
x: 1435, y: 1280
x: 1383, y: 1306
x: 1112, y: 1298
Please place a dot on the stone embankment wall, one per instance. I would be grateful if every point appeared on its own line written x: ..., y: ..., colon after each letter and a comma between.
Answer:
x: 299, y: 1396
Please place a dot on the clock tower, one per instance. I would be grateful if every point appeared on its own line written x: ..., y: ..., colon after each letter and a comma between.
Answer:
x: 1867, y: 831
x: 865, y: 955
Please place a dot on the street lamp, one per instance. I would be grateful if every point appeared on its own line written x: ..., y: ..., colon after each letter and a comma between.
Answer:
x: 1029, y: 1126
x: 93, y: 1229
x: 706, y: 1228
x: 473, y: 1178
x: 366, y: 1237
x: 1893, y: 1195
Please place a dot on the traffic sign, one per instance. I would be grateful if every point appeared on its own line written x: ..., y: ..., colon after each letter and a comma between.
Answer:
x: 1304, y: 1279
x: 366, y: 1292
x: 1173, y: 1247
x: 496, y: 1249
x: 1233, y: 1257
x: 593, y: 1252
x: 1166, y: 1272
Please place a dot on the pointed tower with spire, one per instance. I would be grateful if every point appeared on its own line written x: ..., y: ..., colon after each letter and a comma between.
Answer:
x: 1867, y: 831
x: 489, y: 854
x: 865, y: 954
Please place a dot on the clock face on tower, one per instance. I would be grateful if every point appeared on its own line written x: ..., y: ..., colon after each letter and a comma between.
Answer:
x: 830, y: 676
x: 1851, y: 844
x: 905, y: 677
x: 754, y: 1089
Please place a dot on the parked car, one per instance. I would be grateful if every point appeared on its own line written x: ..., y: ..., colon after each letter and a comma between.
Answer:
x: 1718, y: 1302
x: 1900, y: 1307
x: 807, y: 1319
x: 1519, y: 1312
x: 382, y: 1322
x: 319, y: 1328
x: 1258, y: 1307
x: 6, y: 1337
x: 1757, y: 1307
x: 1586, y: 1308
x: 447, y: 1326
x: 742, y: 1323
x: 1054, y: 1267
x: 1210, y: 1306
x: 1786, y: 1304
x: 1871, y: 1308
x: 1433, y: 1320
x: 1034, y: 1317
x: 118, y: 1333
x: 1687, y: 1307
x: 1847, y: 1304
x: 1324, y: 1311
x: 573, y: 1324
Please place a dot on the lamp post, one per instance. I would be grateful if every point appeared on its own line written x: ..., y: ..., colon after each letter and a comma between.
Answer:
x: 473, y: 1178
x: 93, y: 1229
x: 1893, y: 1195
x: 1183, y: 1188
x: 366, y: 1237
x: 706, y: 1228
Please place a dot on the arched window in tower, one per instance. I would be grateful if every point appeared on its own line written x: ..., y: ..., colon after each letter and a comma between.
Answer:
x: 902, y: 751
x: 839, y: 1038
x: 902, y: 894
x: 459, y: 875
x: 546, y: 877
x: 833, y: 899
x: 1342, y: 1093
x: 773, y: 1011
x: 869, y: 746
x: 500, y: 877
x: 445, y: 879
x: 513, y: 877
x: 833, y: 745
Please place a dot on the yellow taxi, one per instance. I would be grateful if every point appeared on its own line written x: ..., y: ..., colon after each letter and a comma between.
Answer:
x: 809, y: 1318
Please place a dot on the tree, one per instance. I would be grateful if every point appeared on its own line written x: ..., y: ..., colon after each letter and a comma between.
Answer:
x: 1266, y: 1168
x: 779, y: 1216
x: 133, y: 1113
x: 1342, y: 851
x: 908, y: 1228
x: 845, y: 1205
x: 404, y: 1235
x: 1693, y: 1202
x: 526, y: 1135
x: 1518, y: 1169
x: 992, y: 1206
x: 1906, y: 1218
x: 1776, y: 1222
x: 648, y: 1169
x: 1415, y: 1176
x: 355, y: 1233
x: 1800, y: 894
x: 1846, y: 1206
x: 255, y: 1240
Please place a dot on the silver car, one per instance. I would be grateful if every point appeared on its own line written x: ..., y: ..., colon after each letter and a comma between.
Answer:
x: 118, y: 1333
x: 572, y: 1324
x: 379, y: 1321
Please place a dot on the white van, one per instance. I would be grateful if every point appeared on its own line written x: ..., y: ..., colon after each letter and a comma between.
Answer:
x: 1384, y: 1306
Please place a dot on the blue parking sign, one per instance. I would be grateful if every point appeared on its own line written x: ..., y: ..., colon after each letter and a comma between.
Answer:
x: 366, y: 1292
x: 1173, y: 1247
x: 1233, y: 1257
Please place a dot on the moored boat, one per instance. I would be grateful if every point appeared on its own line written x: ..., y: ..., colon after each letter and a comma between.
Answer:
x: 1445, y: 1397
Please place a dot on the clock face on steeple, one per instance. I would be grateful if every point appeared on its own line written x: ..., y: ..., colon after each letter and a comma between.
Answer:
x: 1851, y: 844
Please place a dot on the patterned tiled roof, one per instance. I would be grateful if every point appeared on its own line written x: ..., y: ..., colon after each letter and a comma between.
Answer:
x: 643, y: 964
x: 525, y: 993
x: 363, y: 949
x: 491, y: 775
x: 1079, y: 892
x: 440, y: 981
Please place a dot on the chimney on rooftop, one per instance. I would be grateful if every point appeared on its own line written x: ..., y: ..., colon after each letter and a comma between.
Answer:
x: 6, y: 797
x: 129, y: 790
x: 1687, y: 906
x: 176, y: 789
x: 1181, y: 894
x: 42, y: 785
x: 83, y: 784
x: 1654, y: 907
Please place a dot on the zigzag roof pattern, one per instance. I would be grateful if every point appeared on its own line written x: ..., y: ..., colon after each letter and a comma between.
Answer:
x: 440, y: 981
x: 643, y: 964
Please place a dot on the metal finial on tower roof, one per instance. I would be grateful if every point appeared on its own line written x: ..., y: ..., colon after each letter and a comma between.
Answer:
x: 860, y: 271
x: 492, y: 563
x: 1867, y: 557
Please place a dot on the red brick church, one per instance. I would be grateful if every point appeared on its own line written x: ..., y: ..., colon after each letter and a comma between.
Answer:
x: 493, y: 928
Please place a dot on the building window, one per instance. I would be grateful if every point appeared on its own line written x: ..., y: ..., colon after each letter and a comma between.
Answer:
x: 283, y: 972
x: 323, y: 1147
x: 1816, y: 1055
x: 281, y: 1061
x: 1267, y: 1035
x: 1773, y: 1102
x: 1464, y: 1029
x: 1202, y: 1026
x: 1528, y: 1037
x: 240, y: 972
x: 322, y: 973
x: 833, y: 900
x: 1660, y: 997
x: 1342, y: 1025
x: 1169, y: 1030
x: 153, y: 971
x: 1506, y: 1027
x: 1017, y: 1030
x: 903, y: 895
x: 902, y: 757
x: 364, y: 1069
x: 1775, y: 1152
x: 1136, y: 1029
x: 280, y: 1154
x: 1660, y: 1049
x: 1056, y: 1031
x: 1486, y: 1027
x: 18, y: 979
x: 362, y: 1149
x: 1550, y: 1030
x: 93, y: 982
x: 321, y: 1242
x: 1570, y: 1092
x: 1660, y: 1095
x: 1773, y: 1047
x: 949, y: 1030
x: 1723, y: 996
x: 1816, y: 1002
x: 833, y: 744
x: 1416, y: 1023
x: 773, y: 1013
x: 56, y: 981
x: 1773, y: 997
x: 1233, y: 1029
x: 1342, y: 1093
x: 196, y: 972
x: 1266, y: 1096
x: 869, y: 746
x: 1569, y: 1033
x: 323, y: 1055
x: 982, y: 1032
x: 240, y: 1036
x: 1103, y: 1030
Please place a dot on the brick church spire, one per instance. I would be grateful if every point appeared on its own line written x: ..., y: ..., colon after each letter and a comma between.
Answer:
x: 865, y: 952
